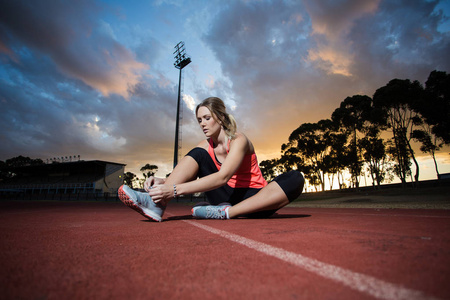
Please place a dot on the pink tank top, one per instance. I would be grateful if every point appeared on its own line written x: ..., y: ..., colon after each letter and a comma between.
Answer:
x: 248, y: 175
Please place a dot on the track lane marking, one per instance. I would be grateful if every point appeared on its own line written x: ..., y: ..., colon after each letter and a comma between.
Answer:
x: 364, y: 283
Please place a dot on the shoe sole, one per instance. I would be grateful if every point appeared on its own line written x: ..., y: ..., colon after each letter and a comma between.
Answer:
x: 128, y: 202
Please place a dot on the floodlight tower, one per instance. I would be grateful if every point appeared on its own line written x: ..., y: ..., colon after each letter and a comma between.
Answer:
x: 181, y: 61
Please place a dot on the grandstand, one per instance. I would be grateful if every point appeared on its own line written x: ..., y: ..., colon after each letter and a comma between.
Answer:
x: 94, y: 177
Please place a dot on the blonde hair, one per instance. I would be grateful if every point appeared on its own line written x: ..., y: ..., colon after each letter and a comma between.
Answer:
x: 219, y: 112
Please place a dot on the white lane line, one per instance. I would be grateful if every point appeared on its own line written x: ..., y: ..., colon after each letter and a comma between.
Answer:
x: 357, y: 281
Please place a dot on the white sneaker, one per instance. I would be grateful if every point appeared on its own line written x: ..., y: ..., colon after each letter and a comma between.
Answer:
x: 142, y: 203
x: 211, y: 211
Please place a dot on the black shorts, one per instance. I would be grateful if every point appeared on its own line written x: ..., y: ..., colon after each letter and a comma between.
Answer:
x: 291, y: 183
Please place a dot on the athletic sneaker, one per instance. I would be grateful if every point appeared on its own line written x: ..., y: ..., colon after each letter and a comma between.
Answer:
x: 210, y: 211
x: 142, y: 203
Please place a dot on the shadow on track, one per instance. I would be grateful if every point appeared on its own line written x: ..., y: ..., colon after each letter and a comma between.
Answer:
x: 275, y: 216
x: 287, y: 216
x: 174, y: 218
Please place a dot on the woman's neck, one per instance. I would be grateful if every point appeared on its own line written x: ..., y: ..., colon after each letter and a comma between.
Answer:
x: 219, y: 140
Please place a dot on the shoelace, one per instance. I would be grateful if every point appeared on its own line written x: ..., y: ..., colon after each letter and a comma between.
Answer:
x: 215, y: 213
x: 143, y: 199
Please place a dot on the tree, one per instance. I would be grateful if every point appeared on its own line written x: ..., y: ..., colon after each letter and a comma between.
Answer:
x: 395, y: 102
x: 7, y: 167
x: 149, y: 170
x: 352, y: 116
x: 402, y: 167
x: 429, y: 143
x: 375, y: 155
x: 337, y: 160
x: 269, y: 168
x: 22, y: 161
x: 128, y: 178
x: 307, y: 148
x: 314, y: 180
x: 436, y: 105
x: 290, y: 159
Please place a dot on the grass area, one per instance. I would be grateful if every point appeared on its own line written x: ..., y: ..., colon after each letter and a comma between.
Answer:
x: 385, y: 192
x: 425, y: 197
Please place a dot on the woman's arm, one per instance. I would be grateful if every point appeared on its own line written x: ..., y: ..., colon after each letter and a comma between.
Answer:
x: 153, y: 181
x: 184, y: 171
x: 238, y: 149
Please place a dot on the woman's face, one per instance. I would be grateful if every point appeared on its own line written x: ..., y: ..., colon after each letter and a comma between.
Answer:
x: 207, y: 122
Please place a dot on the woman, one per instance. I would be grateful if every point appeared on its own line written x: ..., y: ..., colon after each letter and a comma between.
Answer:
x: 228, y: 172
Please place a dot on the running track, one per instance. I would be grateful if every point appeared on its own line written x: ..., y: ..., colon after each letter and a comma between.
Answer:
x: 99, y: 250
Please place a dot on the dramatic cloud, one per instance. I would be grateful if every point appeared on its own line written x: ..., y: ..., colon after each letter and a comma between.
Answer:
x: 331, y: 22
x: 96, y: 79
x: 292, y: 63
x: 79, y: 46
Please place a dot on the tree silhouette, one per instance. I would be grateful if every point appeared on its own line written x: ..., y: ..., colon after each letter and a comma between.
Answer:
x: 352, y: 115
x: 149, y: 170
x: 435, y: 107
x: 22, y: 161
x: 336, y: 160
x: 268, y: 168
x: 353, y: 138
x: 128, y: 178
x: 308, y: 148
x: 396, y: 102
x: 375, y: 156
x: 7, y: 167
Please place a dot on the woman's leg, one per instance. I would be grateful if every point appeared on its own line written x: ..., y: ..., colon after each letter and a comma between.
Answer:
x: 198, y: 163
x: 271, y: 197
x: 277, y: 194
x: 186, y: 170
x: 142, y: 202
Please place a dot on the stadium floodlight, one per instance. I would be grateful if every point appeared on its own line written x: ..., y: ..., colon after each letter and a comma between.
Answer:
x: 181, y: 61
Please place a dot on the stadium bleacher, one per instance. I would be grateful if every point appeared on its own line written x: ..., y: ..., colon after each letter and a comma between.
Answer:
x: 95, y: 177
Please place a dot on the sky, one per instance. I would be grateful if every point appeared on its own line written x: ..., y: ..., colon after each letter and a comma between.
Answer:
x: 97, y: 78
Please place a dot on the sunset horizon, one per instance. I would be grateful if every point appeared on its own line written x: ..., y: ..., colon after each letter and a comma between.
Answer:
x: 97, y: 78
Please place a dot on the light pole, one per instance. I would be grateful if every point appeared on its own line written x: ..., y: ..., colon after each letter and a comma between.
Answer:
x: 181, y: 61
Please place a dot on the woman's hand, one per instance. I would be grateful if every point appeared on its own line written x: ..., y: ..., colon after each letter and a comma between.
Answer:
x: 161, y: 193
x: 151, y: 181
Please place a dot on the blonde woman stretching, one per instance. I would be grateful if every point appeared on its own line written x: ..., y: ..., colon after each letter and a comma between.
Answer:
x: 227, y: 170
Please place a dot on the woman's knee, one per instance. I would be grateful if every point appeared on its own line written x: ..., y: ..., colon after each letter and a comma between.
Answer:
x: 291, y: 183
x: 299, y: 179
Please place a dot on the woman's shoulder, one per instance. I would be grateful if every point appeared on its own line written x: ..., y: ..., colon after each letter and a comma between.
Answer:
x: 243, y: 140
x: 240, y: 136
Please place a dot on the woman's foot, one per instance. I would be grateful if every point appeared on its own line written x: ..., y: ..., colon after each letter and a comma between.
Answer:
x: 142, y: 203
x: 211, y: 211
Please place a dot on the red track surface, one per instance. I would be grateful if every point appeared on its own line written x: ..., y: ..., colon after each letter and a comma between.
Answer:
x: 61, y: 250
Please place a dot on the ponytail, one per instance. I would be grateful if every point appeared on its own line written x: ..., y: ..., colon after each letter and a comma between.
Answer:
x: 230, y: 126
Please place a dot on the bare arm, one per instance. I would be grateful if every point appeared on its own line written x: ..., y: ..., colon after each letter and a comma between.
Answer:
x: 153, y: 181
x: 238, y: 148
x: 220, y: 178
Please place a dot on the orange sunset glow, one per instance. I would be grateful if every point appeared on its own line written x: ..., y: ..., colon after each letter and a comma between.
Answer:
x: 96, y: 78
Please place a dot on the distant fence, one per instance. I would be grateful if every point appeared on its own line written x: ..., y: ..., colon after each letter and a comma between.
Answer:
x: 18, y: 194
x: 52, y: 188
x: 88, y: 196
x: 79, y: 194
